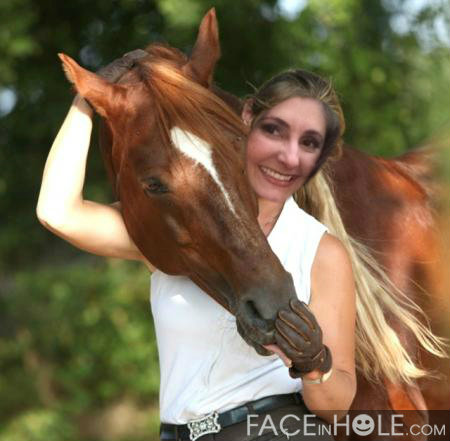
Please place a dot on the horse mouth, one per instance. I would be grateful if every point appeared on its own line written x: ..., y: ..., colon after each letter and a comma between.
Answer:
x: 255, y: 336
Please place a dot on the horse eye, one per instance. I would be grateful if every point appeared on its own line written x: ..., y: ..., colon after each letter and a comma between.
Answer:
x: 154, y: 186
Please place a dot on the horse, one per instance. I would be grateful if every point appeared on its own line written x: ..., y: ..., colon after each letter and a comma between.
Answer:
x: 172, y: 145
x: 389, y: 205
x: 174, y: 153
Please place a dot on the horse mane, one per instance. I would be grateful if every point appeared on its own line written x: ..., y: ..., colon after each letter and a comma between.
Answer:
x: 180, y: 101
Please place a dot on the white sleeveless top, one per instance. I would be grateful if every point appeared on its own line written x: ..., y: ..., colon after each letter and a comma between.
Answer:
x: 205, y: 364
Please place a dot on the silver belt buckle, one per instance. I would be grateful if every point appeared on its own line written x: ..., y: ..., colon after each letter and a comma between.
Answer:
x: 202, y: 426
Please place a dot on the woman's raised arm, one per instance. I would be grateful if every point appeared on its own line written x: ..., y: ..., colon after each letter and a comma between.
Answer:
x: 93, y: 227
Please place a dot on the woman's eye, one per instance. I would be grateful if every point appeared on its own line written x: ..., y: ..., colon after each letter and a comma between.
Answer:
x: 272, y: 129
x: 311, y: 143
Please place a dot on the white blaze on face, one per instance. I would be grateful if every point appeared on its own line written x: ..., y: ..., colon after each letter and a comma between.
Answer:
x: 200, y: 152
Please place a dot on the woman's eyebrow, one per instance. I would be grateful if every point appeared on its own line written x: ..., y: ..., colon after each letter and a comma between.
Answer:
x: 284, y: 124
x: 278, y: 120
x: 314, y: 133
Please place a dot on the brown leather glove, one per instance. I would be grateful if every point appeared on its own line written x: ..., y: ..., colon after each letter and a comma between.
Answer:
x: 114, y: 70
x: 299, y: 336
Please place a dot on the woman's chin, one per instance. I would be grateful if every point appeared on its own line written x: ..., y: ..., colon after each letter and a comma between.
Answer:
x: 276, y: 195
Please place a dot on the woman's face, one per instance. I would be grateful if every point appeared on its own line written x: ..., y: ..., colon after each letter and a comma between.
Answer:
x: 283, y: 147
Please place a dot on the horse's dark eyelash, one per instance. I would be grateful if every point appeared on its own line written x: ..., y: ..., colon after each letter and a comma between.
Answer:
x: 154, y: 186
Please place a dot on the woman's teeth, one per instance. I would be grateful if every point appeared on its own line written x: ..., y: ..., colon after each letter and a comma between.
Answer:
x: 276, y: 175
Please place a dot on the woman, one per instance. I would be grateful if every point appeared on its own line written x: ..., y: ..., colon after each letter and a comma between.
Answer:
x: 296, y: 123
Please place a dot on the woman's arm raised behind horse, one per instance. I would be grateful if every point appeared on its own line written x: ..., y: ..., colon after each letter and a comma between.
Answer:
x: 90, y: 226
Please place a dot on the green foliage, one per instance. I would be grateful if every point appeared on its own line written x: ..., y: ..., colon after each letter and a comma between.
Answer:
x: 16, y: 43
x: 39, y: 425
x: 76, y: 334
x: 78, y: 337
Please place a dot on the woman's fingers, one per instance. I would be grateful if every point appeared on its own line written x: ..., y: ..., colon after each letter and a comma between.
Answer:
x: 276, y: 350
x: 114, y: 70
x: 302, y: 310
x: 297, y: 325
x: 292, y: 336
x: 287, y: 348
x: 134, y: 55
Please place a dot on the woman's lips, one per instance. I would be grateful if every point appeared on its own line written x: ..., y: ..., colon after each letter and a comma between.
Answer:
x: 277, y: 178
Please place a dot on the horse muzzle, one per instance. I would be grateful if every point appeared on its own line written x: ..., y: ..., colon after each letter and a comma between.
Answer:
x: 255, y: 337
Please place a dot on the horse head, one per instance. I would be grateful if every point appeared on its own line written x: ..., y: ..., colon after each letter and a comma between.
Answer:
x: 175, y: 154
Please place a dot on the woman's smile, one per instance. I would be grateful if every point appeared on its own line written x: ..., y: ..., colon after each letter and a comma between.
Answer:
x: 277, y: 178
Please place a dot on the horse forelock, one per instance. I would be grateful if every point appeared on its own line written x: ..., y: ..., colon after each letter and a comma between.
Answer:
x: 178, y: 101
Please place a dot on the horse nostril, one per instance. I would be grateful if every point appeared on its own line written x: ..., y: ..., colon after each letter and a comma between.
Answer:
x: 252, y: 310
x: 256, y: 313
x: 258, y: 320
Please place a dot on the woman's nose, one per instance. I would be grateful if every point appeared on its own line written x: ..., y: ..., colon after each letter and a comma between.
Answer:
x: 289, y: 155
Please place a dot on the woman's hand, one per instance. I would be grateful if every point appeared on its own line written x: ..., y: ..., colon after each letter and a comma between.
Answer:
x: 114, y: 70
x: 299, y: 336
x: 276, y: 350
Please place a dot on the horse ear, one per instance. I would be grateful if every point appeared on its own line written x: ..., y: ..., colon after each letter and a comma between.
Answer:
x: 206, y: 51
x: 99, y: 92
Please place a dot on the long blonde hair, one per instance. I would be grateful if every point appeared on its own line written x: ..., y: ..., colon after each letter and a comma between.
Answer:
x: 379, y: 351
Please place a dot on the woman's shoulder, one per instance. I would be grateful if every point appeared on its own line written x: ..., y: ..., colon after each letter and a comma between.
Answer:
x: 331, y: 250
x: 332, y: 255
x: 332, y: 264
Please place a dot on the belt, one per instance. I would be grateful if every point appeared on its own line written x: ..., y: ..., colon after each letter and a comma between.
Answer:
x: 215, y: 422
